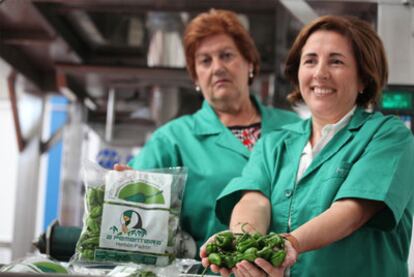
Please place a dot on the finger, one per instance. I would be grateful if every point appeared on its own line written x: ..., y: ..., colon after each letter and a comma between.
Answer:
x: 238, y: 273
x: 291, y: 255
x: 203, y: 251
x: 249, y: 269
x: 269, y: 269
x: 119, y: 167
x: 215, y: 268
x: 225, y: 272
x: 205, y: 262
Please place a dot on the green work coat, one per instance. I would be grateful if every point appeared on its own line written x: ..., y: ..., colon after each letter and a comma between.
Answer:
x: 213, y: 156
x: 371, y: 158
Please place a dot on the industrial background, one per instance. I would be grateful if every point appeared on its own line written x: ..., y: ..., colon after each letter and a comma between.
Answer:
x: 92, y: 79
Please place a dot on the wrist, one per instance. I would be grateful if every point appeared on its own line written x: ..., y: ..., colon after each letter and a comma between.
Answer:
x: 293, y: 241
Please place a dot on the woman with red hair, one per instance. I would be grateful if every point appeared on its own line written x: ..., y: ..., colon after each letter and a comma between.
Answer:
x: 215, y: 142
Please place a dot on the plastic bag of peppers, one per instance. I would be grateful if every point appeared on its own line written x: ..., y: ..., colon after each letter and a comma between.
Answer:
x: 227, y: 248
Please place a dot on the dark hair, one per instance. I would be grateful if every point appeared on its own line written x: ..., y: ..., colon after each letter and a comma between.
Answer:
x: 216, y: 22
x: 368, y: 51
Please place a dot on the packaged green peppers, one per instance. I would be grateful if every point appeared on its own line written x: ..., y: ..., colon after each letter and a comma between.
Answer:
x: 227, y: 248
x: 130, y: 216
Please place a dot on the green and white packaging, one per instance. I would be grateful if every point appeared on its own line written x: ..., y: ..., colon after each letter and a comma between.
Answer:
x: 130, y: 215
x: 36, y: 265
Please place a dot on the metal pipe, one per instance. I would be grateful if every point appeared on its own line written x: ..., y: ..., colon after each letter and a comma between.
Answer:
x: 110, y: 115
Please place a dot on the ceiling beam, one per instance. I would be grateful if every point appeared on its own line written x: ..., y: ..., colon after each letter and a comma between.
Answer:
x: 16, y: 59
x: 134, y: 6
x: 62, y: 28
x: 141, y: 72
x: 26, y: 37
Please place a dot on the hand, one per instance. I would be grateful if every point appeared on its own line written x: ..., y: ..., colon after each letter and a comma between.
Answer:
x: 121, y: 167
x: 205, y: 262
x: 264, y: 268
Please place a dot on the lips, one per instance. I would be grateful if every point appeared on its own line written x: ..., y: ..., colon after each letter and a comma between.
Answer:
x: 322, y: 91
x: 221, y: 81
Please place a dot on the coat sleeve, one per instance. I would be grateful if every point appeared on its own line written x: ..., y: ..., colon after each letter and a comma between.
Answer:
x: 256, y: 176
x: 159, y: 152
x: 384, y: 173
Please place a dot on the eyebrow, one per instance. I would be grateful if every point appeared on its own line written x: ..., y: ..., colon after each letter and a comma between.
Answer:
x: 227, y: 48
x: 311, y: 54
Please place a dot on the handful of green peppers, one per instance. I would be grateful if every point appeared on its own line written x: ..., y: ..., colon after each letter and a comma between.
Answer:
x: 89, y: 239
x: 227, y: 248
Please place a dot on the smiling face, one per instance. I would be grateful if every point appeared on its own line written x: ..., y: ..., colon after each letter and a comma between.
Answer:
x: 222, y: 73
x: 328, y: 76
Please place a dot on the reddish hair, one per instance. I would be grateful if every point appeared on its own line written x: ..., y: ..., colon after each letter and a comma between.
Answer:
x: 216, y: 22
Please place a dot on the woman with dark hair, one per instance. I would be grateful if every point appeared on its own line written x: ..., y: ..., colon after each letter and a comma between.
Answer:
x: 215, y: 142
x: 338, y: 186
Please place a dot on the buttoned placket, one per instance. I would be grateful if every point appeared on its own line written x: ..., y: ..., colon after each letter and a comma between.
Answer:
x: 309, y: 153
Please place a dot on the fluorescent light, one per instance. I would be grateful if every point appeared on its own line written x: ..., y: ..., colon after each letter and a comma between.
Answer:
x: 68, y: 93
x: 90, y: 104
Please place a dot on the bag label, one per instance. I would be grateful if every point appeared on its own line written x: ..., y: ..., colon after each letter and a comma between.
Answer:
x: 134, y: 229
x: 136, y: 212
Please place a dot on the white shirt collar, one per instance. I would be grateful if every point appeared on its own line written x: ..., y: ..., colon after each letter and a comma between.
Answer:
x: 327, y: 133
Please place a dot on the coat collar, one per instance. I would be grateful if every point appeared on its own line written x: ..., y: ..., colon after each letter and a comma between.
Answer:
x: 295, y: 145
x: 207, y: 123
x: 357, y: 120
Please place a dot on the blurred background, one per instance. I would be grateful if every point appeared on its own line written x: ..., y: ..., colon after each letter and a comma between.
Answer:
x: 92, y: 79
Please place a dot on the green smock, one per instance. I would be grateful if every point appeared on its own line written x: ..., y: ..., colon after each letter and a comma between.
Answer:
x: 212, y: 155
x: 371, y: 158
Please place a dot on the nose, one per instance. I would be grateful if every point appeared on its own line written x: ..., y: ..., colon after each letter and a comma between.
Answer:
x: 321, y: 72
x: 218, y: 66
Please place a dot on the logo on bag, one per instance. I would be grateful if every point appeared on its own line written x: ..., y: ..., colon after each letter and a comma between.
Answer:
x: 140, y: 192
x: 131, y: 225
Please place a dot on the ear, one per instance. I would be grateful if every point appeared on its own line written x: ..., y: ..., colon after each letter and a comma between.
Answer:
x: 251, y: 67
x: 361, y: 86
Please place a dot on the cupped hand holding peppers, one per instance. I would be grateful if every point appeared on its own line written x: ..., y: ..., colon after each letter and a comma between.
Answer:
x: 226, y: 252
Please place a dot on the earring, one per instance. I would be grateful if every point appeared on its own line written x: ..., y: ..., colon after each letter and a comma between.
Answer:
x: 361, y: 91
x: 251, y: 75
x: 197, y: 88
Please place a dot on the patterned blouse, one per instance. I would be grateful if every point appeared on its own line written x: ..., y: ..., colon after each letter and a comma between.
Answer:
x: 248, y: 135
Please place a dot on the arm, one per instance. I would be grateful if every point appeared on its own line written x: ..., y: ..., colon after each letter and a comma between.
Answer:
x: 339, y: 221
x: 253, y: 209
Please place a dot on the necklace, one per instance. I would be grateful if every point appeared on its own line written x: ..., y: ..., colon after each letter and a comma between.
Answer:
x: 253, y: 116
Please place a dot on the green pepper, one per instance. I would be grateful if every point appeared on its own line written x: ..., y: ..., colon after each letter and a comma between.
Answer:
x: 93, y: 225
x: 274, y: 240
x: 242, y: 237
x: 211, y: 248
x: 249, y: 255
x: 248, y: 243
x: 224, y: 240
x: 265, y: 253
x: 90, y: 241
x: 278, y: 257
x: 87, y: 254
x: 96, y: 211
x: 215, y: 258
x: 229, y: 261
x: 256, y: 235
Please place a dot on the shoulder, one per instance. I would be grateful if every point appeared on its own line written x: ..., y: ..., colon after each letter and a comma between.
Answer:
x: 179, y: 125
x: 388, y: 124
x: 280, y: 114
